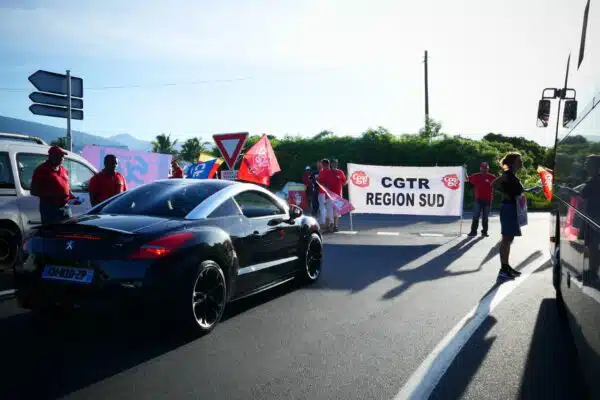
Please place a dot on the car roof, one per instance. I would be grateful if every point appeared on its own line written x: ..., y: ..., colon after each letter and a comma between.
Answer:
x: 215, y: 183
x: 17, y: 146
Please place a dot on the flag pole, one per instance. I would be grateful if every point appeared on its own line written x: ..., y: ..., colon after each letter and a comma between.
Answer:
x: 351, y: 224
x: 462, y: 207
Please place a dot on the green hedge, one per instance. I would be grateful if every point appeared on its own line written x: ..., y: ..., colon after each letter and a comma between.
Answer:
x: 380, y: 147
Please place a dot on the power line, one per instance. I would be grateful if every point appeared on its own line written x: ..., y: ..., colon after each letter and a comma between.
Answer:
x: 116, y: 87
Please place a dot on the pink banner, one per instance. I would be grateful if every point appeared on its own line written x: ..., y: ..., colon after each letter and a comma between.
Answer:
x: 138, y: 167
x: 339, y: 203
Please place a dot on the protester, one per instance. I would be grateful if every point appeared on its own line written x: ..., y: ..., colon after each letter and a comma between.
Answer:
x: 177, y: 171
x: 482, y: 181
x: 315, y: 189
x: 511, y: 189
x: 306, y: 179
x: 108, y: 182
x: 328, y: 179
x: 50, y: 182
x: 339, y: 183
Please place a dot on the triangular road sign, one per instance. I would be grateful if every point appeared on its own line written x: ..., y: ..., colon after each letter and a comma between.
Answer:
x: 230, y: 145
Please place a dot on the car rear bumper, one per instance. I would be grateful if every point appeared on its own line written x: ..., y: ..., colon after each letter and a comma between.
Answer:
x: 31, y: 291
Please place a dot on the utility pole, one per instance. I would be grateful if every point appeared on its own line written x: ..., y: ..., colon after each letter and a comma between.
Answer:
x: 426, y: 96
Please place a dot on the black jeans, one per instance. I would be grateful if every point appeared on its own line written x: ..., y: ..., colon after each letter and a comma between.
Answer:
x: 53, y: 214
x: 482, y: 209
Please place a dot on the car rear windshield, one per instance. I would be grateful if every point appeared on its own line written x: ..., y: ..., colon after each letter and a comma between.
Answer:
x: 161, y: 199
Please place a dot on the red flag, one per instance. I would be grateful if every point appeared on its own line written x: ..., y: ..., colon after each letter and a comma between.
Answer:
x: 244, y: 174
x: 339, y: 203
x: 547, y: 177
x: 259, y: 163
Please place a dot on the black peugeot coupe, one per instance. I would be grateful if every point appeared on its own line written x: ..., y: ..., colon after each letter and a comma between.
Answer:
x: 188, y: 247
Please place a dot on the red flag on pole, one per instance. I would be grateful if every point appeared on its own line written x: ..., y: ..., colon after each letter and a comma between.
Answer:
x: 546, y: 175
x: 342, y: 205
x: 259, y: 163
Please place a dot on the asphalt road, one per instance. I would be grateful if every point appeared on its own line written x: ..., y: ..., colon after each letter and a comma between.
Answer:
x: 384, y: 303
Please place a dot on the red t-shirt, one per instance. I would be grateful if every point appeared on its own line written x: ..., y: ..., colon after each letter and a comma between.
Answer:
x: 105, y: 185
x: 483, y: 185
x: 177, y: 173
x: 53, y: 185
x: 338, y: 184
x: 328, y: 179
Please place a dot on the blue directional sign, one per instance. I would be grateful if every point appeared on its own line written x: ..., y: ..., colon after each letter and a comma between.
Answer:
x: 51, y: 82
x: 50, y: 111
x: 55, y: 100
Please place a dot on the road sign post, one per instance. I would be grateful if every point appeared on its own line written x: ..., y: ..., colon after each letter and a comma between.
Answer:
x: 59, y: 96
x: 230, y: 145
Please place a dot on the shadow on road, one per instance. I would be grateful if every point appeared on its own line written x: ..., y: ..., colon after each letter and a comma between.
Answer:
x: 48, y: 361
x: 434, y: 269
x: 550, y: 372
x: 355, y: 267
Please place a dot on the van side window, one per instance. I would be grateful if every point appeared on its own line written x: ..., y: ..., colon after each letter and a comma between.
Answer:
x: 7, y: 180
x: 27, y: 163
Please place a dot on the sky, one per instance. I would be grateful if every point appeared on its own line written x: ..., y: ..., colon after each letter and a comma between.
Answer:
x: 196, y: 68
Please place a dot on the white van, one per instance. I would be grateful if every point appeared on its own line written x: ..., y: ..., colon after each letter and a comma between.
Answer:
x: 19, y: 211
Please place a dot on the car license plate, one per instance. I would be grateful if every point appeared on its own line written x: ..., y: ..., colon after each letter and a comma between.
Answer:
x: 56, y: 272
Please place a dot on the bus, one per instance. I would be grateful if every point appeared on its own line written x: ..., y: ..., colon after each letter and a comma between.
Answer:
x: 575, y: 221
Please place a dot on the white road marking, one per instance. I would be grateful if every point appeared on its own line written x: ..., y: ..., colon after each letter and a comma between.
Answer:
x: 431, y: 234
x: 424, y: 380
x: 9, y: 292
x: 388, y: 233
x: 347, y: 232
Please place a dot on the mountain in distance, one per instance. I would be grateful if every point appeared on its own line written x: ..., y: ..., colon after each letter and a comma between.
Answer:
x: 49, y: 133
x: 131, y: 142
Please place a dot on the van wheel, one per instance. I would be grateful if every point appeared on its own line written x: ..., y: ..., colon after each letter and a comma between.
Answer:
x: 9, y: 248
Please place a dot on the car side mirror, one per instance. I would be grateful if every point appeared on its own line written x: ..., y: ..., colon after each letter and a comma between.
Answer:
x: 295, y: 212
x: 570, y: 113
x: 543, y: 114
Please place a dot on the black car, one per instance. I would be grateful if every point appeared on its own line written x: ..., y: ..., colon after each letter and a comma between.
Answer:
x: 185, y: 246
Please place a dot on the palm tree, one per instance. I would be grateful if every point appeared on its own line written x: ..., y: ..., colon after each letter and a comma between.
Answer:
x: 61, y: 142
x: 191, y: 149
x: 163, y: 144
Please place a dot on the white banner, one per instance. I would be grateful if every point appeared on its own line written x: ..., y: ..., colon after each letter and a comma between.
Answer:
x: 375, y: 189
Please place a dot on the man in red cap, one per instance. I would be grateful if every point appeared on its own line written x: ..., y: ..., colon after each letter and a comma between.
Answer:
x: 482, y: 182
x: 50, y: 182
x: 108, y: 182
x: 177, y: 171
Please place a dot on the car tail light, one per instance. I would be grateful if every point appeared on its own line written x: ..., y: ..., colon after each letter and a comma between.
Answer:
x: 161, y: 247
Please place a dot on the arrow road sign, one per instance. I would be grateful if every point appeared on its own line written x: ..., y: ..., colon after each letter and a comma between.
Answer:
x: 60, y: 112
x: 51, y: 82
x: 230, y: 145
x: 55, y: 100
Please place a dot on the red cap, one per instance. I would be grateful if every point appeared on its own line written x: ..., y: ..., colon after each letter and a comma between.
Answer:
x: 55, y: 150
x: 484, y: 165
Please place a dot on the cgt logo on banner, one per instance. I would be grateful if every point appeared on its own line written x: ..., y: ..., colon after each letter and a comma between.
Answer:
x: 375, y: 189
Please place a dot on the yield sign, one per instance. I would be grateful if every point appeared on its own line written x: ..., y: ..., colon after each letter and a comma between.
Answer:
x: 230, y: 145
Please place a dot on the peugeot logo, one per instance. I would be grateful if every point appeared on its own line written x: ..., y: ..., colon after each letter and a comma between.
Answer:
x: 70, y: 245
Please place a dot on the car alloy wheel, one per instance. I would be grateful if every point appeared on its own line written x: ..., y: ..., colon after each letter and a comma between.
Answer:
x: 209, y: 295
x: 314, y: 258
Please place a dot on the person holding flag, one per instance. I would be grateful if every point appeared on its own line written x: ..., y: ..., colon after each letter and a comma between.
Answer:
x: 259, y: 163
x: 338, y: 188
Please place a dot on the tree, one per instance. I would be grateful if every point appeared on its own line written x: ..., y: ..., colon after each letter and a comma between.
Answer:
x: 431, y: 129
x: 191, y: 149
x: 323, y: 135
x: 163, y: 144
x: 62, y: 141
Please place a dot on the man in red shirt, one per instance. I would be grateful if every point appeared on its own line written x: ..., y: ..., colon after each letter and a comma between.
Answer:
x: 339, y: 183
x: 177, y: 171
x: 50, y: 182
x: 309, y: 186
x: 108, y: 182
x: 327, y: 179
x: 484, y: 194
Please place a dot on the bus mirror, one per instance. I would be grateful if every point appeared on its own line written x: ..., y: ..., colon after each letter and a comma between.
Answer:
x: 570, y: 113
x: 543, y: 113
